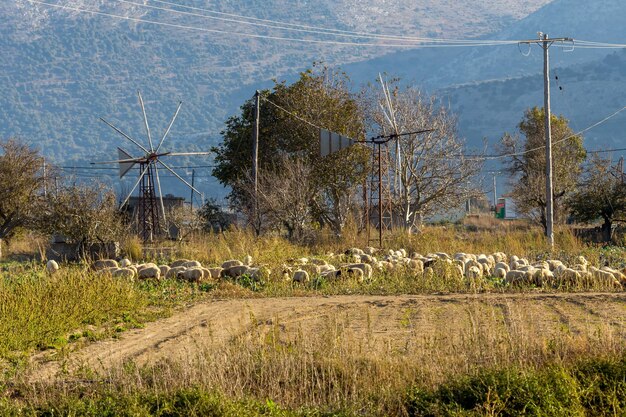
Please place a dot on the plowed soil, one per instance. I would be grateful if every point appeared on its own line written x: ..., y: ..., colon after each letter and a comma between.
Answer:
x: 407, y: 321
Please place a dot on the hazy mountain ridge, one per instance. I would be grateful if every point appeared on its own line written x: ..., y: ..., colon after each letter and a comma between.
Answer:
x: 63, y: 70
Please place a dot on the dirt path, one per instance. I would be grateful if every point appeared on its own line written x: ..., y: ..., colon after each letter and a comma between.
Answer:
x: 385, y: 318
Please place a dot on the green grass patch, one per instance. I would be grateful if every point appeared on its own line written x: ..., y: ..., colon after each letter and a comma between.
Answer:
x: 588, y: 388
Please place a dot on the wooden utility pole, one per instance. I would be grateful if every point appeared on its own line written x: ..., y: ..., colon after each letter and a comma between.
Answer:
x: 495, y: 195
x: 545, y: 42
x: 193, y: 177
x: 255, y: 156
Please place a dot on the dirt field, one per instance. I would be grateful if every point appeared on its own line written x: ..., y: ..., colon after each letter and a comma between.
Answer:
x: 402, y: 325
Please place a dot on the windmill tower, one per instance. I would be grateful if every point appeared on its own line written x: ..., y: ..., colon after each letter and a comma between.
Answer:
x: 151, y: 210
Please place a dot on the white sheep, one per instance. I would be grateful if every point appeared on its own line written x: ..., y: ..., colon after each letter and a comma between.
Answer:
x: 124, y: 263
x: 52, y: 266
x: 230, y: 263
x: 151, y: 271
x: 193, y: 274
x: 174, y: 271
x: 179, y: 262
x: 105, y: 263
x: 124, y: 273
x: 300, y: 276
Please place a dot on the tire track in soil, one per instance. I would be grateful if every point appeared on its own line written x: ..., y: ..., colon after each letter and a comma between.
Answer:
x: 213, y: 324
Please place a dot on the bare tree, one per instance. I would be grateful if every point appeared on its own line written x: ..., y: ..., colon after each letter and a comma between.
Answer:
x: 285, y: 195
x: 84, y: 213
x: 21, y: 185
x: 429, y: 171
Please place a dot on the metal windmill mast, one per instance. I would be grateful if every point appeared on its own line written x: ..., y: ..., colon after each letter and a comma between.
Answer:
x: 151, y: 210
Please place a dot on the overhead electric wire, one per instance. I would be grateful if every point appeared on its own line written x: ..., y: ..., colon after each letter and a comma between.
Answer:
x: 494, y: 157
x: 269, y: 37
x: 272, y: 24
x: 292, y: 114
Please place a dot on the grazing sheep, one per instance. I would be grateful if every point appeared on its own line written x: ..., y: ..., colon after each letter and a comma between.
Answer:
x: 235, y: 271
x: 52, y: 266
x: 105, y: 263
x: 124, y: 273
x: 354, y: 251
x: 300, y: 276
x: 500, y: 272
x: 149, y: 272
x: 366, y: 269
x: 326, y: 268
x: 179, y: 262
x: 416, y: 265
x: 192, y: 264
x: 554, y: 264
x: 107, y: 271
x: 194, y: 274
x: 247, y: 260
x: 124, y: 263
x: 355, y: 273
x: 216, y: 273
x: 230, y: 263
x: 146, y: 265
x: 515, y: 277
x: 366, y: 258
x: 503, y: 265
x: 604, y: 277
x: 473, y: 273
x: 164, y: 270
x: 318, y: 262
x: 173, y: 272
x: 370, y: 250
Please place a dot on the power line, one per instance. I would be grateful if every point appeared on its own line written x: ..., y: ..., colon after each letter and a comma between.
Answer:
x: 494, y: 157
x: 277, y: 38
x: 292, y: 114
x: 272, y: 24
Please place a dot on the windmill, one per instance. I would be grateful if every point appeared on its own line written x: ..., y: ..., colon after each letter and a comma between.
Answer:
x: 151, y: 211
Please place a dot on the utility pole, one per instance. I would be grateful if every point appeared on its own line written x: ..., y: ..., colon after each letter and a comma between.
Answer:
x: 45, y: 180
x: 255, y: 156
x: 545, y: 42
x: 193, y: 177
x: 495, y: 195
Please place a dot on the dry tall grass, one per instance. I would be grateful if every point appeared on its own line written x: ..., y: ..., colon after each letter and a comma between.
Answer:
x: 365, y: 360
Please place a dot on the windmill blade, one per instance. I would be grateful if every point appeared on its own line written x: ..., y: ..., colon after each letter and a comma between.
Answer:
x: 158, y: 181
x: 186, y: 153
x: 145, y: 120
x: 125, y: 166
x: 119, y: 161
x: 180, y: 103
x: 392, y: 116
x: 126, y: 136
x: 134, y: 188
x: 177, y: 176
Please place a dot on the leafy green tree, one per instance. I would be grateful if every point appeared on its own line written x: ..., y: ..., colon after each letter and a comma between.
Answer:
x: 289, y: 120
x: 601, y: 195
x: 526, y: 164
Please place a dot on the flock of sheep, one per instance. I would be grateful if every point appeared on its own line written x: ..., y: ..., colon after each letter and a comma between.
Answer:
x: 355, y: 263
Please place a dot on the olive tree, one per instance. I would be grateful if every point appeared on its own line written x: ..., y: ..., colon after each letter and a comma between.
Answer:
x: 526, y: 163
x: 601, y: 194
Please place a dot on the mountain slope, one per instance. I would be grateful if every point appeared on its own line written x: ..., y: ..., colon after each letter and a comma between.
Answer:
x: 62, y: 69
